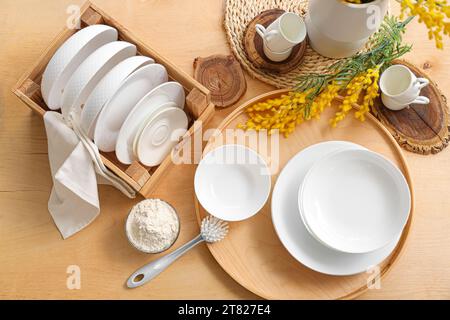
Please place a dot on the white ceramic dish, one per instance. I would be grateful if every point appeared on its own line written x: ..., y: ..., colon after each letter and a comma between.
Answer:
x: 355, y: 201
x: 166, y: 92
x: 90, y: 72
x: 156, y: 109
x: 232, y: 182
x: 67, y: 59
x: 158, y: 104
x: 160, y: 133
x: 106, y: 89
x: 293, y: 233
x: 116, y: 110
x: 145, y: 122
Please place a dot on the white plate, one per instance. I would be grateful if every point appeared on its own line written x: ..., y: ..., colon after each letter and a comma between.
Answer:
x: 116, y: 110
x: 355, y: 201
x: 232, y: 182
x: 293, y: 233
x: 159, y: 107
x: 166, y: 92
x: 160, y: 134
x: 91, y: 71
x: 106, y: 89
x: 67, y: 59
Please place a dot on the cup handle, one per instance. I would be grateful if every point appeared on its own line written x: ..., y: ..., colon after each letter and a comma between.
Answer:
x: 421, y: 100
x: 267, y: 36
x: 422, y: 82
x: 261, y: 30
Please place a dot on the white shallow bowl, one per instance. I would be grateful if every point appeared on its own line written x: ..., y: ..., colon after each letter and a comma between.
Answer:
x: 106, y: 89
x: 67, y: 59
x: 90, y: 72
x: 116, y: 110
x: 166, y: 92
x: 355, y: 201
x: 232, y: 182
x: 291, y: 230
x: 348, y: 146
x: 160, y: 133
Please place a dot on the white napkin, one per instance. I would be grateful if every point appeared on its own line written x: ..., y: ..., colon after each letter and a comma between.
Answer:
x: 73, y: 202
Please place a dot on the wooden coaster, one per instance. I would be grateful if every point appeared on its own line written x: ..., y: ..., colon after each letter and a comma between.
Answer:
x: 253, y: 45
x: 422, y: 129
x: 224, y: 78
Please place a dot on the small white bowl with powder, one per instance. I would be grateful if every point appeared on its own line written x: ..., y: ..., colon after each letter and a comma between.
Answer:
x: 152, y: 226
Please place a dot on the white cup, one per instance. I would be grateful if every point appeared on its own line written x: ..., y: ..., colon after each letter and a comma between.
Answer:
x: 401, y: 85
x: 284, y: 33
x: 393, y: 104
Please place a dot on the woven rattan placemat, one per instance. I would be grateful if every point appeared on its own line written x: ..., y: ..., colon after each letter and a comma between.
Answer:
x: 238, y: 13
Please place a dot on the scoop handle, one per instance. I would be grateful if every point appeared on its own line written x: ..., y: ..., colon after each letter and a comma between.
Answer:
x: 154, y: 268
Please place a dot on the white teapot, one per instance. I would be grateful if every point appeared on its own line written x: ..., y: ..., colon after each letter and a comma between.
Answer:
x: 339, y: 29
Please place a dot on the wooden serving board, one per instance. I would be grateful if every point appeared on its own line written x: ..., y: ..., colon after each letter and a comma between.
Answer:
x: 253, y: 255
x: 422, y: 129
x: 254, y: 46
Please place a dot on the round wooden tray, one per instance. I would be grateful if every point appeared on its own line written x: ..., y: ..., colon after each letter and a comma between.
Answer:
x: 253, y: 45
x: 253, y: 255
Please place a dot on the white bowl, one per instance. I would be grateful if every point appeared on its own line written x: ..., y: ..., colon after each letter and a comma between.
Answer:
x: 232, y: 182
x: 106, y: 89
x: 67, y: 59
x: 355, y: 201
x: 91, y: 71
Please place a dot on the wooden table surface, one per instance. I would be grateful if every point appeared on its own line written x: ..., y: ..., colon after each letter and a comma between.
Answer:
x: 34, y: 258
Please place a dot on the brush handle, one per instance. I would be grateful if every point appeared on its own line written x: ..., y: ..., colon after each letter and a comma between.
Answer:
x: 154, y: 268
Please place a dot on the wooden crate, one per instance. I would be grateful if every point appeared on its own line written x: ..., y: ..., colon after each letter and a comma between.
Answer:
x: 198, y: 103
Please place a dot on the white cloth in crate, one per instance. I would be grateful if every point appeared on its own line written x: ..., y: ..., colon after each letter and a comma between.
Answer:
x: 74, y: 201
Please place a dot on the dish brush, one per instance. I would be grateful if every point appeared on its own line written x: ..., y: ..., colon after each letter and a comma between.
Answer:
x: 212, y: 230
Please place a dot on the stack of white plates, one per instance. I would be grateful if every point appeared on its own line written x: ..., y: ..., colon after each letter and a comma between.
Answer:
x: 121, y: 101
x: 339, y: 208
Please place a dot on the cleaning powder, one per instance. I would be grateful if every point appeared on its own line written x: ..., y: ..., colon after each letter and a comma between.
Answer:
x: 152, y: 226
